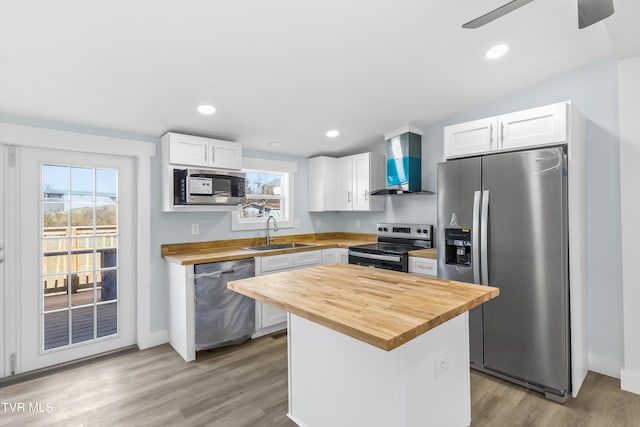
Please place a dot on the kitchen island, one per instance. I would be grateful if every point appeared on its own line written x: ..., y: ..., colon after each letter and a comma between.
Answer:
x: 372, y: 347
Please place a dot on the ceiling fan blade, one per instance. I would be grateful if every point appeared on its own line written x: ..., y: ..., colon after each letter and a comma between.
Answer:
x: 592, y: 11
x: 496, y: 13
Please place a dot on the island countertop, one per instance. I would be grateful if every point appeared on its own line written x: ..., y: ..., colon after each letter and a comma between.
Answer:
x: 380, y: 307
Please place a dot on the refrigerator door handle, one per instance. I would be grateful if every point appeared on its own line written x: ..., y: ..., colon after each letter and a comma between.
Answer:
x: 475, y: 238
x: 484, y: 238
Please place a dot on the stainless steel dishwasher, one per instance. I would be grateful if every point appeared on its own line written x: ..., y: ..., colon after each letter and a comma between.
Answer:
x: 223, y: 317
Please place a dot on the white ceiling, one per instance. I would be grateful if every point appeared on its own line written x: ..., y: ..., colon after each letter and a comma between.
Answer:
x: 282, y: 70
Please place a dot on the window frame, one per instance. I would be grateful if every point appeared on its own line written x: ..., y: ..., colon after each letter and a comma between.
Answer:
x: 250, y: 164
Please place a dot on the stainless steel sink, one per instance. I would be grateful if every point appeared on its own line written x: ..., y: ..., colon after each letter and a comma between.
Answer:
x: 277, y: 246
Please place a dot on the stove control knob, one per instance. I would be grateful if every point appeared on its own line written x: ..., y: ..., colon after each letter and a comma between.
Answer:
x: 386, y: 229
x: 379, y: 228
x: 425, y: 231
x: 419, y: 231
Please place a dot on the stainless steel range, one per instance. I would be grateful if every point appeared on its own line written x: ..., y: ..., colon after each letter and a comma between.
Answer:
x: 394, y: 243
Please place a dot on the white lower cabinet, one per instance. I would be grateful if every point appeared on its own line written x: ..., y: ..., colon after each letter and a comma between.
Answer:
x: 269, y: 318
x: 423, y: 266
x: 335, y: 256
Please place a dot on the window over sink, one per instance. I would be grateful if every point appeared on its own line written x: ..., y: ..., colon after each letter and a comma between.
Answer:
x: 269, y: 190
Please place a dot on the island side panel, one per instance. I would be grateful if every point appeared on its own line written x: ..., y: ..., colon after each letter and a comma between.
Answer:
x: 339, y: 381
x: 336, y: 380
x: 181, y: 309
x: 436, y: 376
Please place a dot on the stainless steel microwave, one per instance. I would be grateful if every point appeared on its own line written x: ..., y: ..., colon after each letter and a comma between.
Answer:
x: 208, y: 187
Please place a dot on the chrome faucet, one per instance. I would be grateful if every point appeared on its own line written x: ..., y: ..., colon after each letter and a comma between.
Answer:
x: 275, y: 228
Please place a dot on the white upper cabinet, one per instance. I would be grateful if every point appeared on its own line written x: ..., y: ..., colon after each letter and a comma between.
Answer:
x: 344, y: 184
x: 536, y: 126
x: 528, y: 128
x: 225, y: 154
x: 187, y: 149
x: 323, y: 184
x: 361, y: 172
x: 192, y: 150
x: 344, y: 197
x: 468, y: 138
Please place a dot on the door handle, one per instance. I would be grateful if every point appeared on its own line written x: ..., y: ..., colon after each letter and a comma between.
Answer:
x: 213, y: 154
x: 475, y: 238
x: 484, y: 238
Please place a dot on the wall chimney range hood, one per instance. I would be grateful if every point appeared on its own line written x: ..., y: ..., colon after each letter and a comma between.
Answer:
x: 404, y: 162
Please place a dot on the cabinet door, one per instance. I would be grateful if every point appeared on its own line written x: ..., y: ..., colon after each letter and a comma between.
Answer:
x: 323, y: 183
x: 225, y: 154
x: 361, y: 181
x: 188, y: 150
x: 344, y: 256
x: 534, y: 127
x: 474, y: 137
x: 345, y: 184
x: 270, y: 315
x: 330, y: 256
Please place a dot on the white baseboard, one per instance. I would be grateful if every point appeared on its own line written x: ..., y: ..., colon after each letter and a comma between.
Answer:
x: 630, y: 381
x: 605, y: 365
x: 153, y: 339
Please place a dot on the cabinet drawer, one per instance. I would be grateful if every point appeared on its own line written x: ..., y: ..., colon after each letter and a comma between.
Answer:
x: 307, y: 258
x: 423, y: 266
x: 276, y: 262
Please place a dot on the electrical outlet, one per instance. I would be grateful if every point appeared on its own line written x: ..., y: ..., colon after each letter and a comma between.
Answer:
x: 441, y: 364
x: 195, y: 229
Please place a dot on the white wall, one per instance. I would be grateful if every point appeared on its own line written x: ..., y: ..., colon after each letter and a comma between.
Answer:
x: 629, y: 88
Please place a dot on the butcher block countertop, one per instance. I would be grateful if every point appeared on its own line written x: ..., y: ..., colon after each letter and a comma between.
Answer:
x: 424, y: 253
x: 380, y: 307
x: 225, y: 250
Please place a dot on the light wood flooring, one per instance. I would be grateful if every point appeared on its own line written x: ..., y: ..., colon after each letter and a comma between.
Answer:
x: 246, y: 385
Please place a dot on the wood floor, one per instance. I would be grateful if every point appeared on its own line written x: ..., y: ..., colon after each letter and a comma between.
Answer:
x: 246, y: 385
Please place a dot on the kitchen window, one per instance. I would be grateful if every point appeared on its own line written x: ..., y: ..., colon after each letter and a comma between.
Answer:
x: 269, y: 190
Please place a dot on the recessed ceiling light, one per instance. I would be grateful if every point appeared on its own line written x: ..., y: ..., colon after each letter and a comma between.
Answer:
x: 333, y: 133
x: 497, y: 51
x: 206, y: 109
x: 275, y: 144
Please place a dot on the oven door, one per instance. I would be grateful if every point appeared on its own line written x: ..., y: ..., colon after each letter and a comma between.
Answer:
x: 385, y: 261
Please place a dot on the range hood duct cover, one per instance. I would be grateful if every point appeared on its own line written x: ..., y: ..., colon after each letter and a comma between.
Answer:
x: 404, y: 162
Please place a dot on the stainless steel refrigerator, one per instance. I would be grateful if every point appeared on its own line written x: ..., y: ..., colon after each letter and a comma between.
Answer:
x: 502, y: 221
